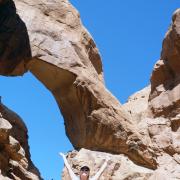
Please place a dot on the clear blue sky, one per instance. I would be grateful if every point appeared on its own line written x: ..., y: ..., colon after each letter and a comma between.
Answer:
x: 129, y: 36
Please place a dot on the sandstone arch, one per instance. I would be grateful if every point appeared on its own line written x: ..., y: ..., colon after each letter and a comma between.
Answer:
x: 66, y: 60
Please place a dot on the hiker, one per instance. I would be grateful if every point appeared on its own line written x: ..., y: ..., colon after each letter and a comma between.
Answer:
x: 84, y: 171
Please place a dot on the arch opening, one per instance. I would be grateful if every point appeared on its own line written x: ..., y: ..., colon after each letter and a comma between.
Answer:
x: 37, y: 107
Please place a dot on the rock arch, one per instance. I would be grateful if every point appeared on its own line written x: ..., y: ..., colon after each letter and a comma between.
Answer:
x: 66, y: 60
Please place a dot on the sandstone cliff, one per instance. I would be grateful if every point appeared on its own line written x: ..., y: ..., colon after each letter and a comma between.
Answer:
x: 60, y: 52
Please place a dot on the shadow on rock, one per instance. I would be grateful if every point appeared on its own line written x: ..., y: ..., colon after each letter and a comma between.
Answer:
x: 14, y: 40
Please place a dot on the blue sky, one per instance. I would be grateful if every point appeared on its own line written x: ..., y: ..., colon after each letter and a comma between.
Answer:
x: 129, y: 36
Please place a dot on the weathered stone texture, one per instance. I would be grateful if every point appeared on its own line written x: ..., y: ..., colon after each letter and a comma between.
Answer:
x: 15, y: 162
x: 165, y: 79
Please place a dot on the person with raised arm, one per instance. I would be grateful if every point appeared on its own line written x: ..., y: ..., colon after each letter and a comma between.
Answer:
x: 84, y: 171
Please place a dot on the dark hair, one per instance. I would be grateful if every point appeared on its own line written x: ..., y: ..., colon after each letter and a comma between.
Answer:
x: 85, y: 168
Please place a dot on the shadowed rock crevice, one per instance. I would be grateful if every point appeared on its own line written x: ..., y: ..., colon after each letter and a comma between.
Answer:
x: 14, y: 40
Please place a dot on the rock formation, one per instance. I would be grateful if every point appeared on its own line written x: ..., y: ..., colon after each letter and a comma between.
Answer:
x: 66, y: 60
x: 156, y: 112
x: 63, y: 56
x: 15, y: 162
x: 165, y: 80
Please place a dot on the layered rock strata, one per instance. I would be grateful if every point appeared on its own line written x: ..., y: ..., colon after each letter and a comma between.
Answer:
x: 15, y: 162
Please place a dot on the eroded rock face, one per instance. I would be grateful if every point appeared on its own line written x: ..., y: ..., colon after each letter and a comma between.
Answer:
x: 156, y: 109
x: 15, y: 162
x: 159, y: 132
x: 137, y: 104
x: 14, y: 40
x: 164, y: 99
x: 165, y: 79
